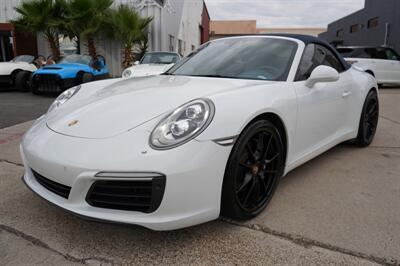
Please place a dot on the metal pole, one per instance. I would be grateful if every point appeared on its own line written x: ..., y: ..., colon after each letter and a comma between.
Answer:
x: 387, y: 25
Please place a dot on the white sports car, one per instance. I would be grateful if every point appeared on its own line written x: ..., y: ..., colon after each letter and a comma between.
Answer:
x: 212, y: 136
x: 17, y: 72
x: 381, y: 62
x: 153, y: 63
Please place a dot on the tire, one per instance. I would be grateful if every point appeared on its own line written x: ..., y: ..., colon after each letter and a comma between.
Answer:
x: 368, y: 120
x: 253, y: 171
x: 21, y: 81
x: 86, y: 77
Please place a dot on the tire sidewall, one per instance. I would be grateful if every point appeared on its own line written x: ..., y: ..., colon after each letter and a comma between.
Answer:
x: 361, y: 141
x: 229, y: 204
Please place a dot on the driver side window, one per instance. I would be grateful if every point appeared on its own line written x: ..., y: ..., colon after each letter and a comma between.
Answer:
x: 315, y: 55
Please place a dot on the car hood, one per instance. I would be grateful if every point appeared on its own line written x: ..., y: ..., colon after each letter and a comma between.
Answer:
x: 149, y: 69
x: 126, y: 104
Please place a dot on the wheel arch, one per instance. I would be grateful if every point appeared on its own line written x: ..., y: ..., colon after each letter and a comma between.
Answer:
x: 278, y: 122
x: 369, y: 71
x: 14, y: 72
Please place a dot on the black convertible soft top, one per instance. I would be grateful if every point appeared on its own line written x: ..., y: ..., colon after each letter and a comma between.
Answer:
x: 307, y: 39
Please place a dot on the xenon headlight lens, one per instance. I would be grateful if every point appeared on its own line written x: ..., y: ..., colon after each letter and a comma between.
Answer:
x: 63, y: 97
x: 127, y: 73
x: 183, y: 124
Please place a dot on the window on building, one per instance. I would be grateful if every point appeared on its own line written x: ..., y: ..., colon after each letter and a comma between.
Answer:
x: 373, y: 22
x: 171, y: 43
x: 180, y: 47
x: 354, y: 28
x: 339, y: 33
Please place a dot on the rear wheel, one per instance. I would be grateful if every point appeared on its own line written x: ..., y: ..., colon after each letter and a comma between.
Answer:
x: 21, y: 81
x: 369, y: 120
x: 253, y: 171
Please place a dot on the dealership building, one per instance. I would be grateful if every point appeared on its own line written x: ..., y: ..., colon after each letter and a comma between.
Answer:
x: 377, y: 24
x: 178, y: 26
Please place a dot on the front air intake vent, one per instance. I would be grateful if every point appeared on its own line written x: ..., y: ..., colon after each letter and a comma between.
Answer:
x: 57, y: 188
x: 143, y: 195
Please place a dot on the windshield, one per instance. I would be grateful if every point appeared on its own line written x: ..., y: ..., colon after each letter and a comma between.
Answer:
x: 243, y: 58
x: 24, y: 58
x: 76, y: 58
x: 160, y: 58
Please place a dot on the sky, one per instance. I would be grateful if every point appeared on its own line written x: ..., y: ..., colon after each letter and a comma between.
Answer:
x: 283, y: 13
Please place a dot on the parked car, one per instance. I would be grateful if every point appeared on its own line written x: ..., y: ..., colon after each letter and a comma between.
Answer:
x: 213, y: 135
x: 153, y: 63
x: 17, y: 71
x: 70, y: 71
x: 381, y: 62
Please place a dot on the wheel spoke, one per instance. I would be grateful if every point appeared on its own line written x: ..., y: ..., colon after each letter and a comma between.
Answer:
x: 251, y: 152
x: 246, y: 181
x: 265, y: 153
x: 249, y: 192
x: 245, y: 165
x: 272, y: 159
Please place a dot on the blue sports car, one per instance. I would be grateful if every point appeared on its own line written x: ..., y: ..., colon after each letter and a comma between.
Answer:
x: 68, y: 72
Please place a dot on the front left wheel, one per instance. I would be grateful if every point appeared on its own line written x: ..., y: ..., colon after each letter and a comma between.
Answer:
x: 253, y: 171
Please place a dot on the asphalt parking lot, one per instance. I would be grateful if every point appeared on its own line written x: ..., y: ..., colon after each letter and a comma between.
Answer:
x: 18, y: 107
x: 340, y: 208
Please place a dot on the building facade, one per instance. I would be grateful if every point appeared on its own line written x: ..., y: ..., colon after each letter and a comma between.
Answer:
x: 227, y: 28
x: 377, y: 24
x: 177, y: 26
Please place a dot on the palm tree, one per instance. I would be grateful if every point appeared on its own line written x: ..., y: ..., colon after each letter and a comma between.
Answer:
x: 127, y: 26
x: 42, y: 16
x: 86, y: 19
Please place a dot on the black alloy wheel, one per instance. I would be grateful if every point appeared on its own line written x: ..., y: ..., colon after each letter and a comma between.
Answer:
x: 369, y: 120
x: 254, y: 168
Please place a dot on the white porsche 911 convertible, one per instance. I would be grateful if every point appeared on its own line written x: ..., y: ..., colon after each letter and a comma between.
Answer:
x: 212, y: 136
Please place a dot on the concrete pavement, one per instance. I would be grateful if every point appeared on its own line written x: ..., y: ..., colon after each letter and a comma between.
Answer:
x: 340, y: 208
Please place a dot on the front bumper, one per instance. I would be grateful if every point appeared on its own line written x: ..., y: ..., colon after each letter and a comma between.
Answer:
x: 194, y: 174
x: 51, y: 83
x: 5, y: 79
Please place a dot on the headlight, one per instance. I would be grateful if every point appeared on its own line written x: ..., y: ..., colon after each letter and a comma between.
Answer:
x: 127, y: 73
x: 183, y: 124
x: 63, y: 97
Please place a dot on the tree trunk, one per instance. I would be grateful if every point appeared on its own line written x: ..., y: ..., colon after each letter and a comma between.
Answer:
x: 128, y: 57
x: 91, y: 47
x: 54, y: 46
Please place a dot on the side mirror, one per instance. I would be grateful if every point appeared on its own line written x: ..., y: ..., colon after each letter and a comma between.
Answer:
x: 136, y: 63
x: 322, y: 74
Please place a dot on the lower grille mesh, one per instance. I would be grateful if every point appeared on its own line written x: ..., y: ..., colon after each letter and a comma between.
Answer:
x: 131, y: 195
x: 52, y: 186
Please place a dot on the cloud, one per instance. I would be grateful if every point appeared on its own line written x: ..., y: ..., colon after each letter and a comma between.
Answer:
x: 283, y: 13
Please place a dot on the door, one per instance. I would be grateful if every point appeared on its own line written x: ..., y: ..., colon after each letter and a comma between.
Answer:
x: 322, y: 109
x: 394, y: 59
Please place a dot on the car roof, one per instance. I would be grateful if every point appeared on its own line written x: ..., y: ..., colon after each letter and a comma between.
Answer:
x: 361, y: 47
x: 308, y: 39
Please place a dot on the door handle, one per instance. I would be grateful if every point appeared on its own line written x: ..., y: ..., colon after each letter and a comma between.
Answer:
x: 346, y: 94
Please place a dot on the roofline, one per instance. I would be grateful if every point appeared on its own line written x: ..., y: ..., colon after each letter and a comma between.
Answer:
x: 206, y: 8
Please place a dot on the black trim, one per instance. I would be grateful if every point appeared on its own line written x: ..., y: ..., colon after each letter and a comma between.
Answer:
x: 54, y: 187
x: 84, y: 217
x: 5, y: 79
x: 142, y: 195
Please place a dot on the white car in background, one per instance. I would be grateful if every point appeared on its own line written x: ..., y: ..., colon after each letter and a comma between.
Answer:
x: 18, y: 71
x: 213, y: 135
x: 381, y: 62
x: 153, y: 63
